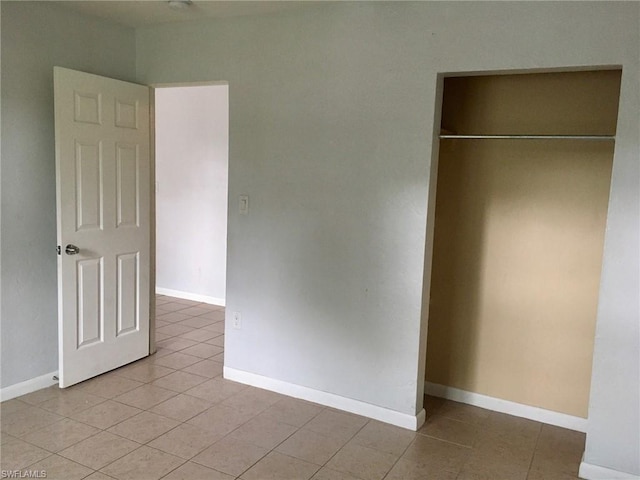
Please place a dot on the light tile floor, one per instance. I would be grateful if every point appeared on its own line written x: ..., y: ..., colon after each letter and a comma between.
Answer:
x: 173, y: 416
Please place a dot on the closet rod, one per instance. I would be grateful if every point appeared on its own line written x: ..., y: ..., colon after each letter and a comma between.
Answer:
x: 531, y: 137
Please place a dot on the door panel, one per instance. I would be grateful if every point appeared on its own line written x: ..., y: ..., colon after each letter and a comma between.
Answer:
x: 87, y: 108
x: 90, y: 300
x: 89, y: 199
x: 128, y: 281
x: 128, y: 192
x: 103, y: 205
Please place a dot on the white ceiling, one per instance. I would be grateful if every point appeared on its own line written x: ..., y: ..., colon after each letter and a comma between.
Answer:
x: 150, y: 12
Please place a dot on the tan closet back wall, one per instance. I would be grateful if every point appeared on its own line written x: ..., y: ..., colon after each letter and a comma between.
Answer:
x: 519, y: 235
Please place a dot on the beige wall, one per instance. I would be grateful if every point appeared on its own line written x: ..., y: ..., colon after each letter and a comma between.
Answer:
x: 519, y: 237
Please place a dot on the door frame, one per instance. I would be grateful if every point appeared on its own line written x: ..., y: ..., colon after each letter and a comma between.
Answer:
x: 152, y: 210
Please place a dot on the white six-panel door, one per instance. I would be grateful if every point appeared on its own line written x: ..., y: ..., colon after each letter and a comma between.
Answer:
x: 103, y: 200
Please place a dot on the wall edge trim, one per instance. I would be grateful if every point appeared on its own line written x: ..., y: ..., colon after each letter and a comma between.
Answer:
x: 589, y: 471
x: 410, y: 422
x: 196, y: 297
x: 28, y: 386
x: 505, y: 406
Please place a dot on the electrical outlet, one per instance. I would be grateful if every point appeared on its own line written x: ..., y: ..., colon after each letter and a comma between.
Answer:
x: 237, y: 321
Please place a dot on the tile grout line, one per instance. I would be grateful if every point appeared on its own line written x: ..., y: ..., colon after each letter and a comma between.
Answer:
x: 345, y: 444
x: 480, y: 426
x: 400, y: 457
x: 533, y: 454
x: 287, y: 438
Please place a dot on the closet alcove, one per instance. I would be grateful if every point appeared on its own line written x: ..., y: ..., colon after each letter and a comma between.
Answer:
x: 522, y: 191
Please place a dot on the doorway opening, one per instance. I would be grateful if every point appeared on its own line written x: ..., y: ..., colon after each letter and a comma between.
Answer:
x: 191, y: 189
x: 520, y: 216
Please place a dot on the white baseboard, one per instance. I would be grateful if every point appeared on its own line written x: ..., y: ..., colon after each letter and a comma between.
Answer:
x: 505, y: 406
x: 411, y: 422
x: 196, y: 297
x: 28, y: 386
x: 595, y: 472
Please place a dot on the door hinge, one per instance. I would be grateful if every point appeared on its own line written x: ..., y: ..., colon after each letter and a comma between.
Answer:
x: 59, y: 250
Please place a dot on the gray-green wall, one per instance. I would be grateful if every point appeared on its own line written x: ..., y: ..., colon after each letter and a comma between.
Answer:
x: 328, y: 141
x: 35, y: 37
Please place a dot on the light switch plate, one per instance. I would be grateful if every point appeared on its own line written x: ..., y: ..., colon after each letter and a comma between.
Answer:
x: 243, y: 206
